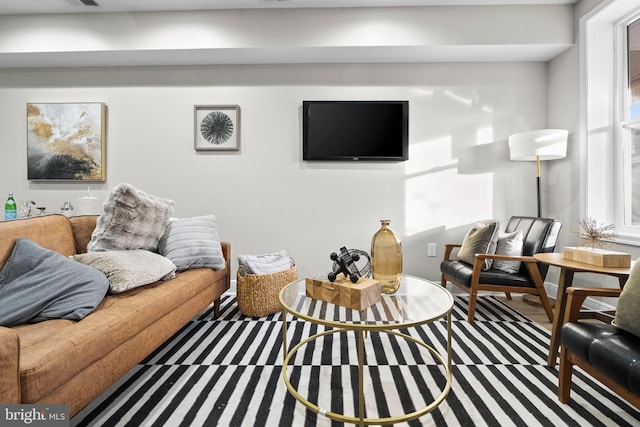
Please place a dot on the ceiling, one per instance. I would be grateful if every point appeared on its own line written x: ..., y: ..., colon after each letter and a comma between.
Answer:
x: 19, y: 57
x: 80, y: 6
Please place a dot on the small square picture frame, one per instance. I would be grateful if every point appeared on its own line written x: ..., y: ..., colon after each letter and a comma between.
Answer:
x: 217, y: 127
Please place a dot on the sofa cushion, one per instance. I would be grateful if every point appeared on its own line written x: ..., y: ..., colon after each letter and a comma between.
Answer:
x: 480, y: 239
x: 462, y: 272
x: 131, y: 219
x: 509, y: 244
x: 193, y: 243
x: 38, y: 284
x: 578, y: 337
x: 82, y: 227
x: 129, y: 269
x: 628, y: 306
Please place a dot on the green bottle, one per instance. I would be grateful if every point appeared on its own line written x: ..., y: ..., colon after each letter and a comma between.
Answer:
x: 10, y: 208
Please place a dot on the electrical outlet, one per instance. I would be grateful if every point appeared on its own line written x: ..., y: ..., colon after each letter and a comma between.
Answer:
x: 431, y: 249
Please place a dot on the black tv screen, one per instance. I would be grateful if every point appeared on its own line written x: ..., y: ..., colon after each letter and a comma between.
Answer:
x: 355, y: 130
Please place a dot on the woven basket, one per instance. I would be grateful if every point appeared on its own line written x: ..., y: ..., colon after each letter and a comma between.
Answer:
x: 257, y: 294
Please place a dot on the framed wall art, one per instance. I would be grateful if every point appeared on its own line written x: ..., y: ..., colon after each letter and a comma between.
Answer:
x: 217, y: 127
x: 66, y: 141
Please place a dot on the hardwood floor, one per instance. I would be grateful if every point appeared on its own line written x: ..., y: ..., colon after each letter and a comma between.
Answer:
x: 533, y: 312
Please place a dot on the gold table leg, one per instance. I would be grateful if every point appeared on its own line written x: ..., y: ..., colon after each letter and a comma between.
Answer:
x: 361, y: 419
x: 361, y: 376
x: 284, y: 334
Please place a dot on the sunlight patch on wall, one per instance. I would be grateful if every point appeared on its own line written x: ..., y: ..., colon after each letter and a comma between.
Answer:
x: 446, y: 199
x: 427, y: 155
x: 484, y: 135
x: 428, y: 93
x: 461, y: 99
x: 437, y: 195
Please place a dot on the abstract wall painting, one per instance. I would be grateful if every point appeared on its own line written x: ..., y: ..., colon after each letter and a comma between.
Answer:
x: 217, y: 127
x: 66, y: 141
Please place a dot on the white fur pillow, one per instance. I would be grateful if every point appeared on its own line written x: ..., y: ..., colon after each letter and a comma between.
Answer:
x: 129, y: 269
x: 131, y: 220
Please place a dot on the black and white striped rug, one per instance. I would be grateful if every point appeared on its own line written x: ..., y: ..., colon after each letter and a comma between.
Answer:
x: 227, y: 372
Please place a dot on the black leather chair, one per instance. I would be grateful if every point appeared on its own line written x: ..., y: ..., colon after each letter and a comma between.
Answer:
x: 607, y: 353
x: 540, y: 235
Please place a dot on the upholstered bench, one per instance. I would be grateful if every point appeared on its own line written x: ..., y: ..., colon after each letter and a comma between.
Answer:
x: 605, y: 351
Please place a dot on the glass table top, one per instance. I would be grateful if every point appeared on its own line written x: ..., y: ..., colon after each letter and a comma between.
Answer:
x: 417, y: 301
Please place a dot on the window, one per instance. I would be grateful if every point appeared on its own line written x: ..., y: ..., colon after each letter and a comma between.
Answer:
x: 630, y: 134
x: 610, y: 117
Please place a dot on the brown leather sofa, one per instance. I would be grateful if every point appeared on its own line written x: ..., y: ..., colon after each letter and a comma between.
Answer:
x: 72, y: 362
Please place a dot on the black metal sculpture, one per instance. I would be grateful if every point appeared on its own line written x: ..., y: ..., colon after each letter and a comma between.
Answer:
x: 345, y: 264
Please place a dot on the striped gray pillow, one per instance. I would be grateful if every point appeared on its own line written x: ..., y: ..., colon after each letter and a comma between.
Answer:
x: 509, y: 244
x: 193, y: 243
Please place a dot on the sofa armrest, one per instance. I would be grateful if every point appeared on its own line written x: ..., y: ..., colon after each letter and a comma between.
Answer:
x: 9, y: 366
x: 226, y: 252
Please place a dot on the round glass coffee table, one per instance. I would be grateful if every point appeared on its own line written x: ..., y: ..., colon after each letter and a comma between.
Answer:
x: 417, y: 303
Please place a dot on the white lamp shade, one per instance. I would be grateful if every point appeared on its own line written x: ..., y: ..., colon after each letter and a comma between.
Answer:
x: 547, y: 144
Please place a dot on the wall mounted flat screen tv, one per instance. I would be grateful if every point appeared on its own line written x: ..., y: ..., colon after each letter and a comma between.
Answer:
x: 355, y: 130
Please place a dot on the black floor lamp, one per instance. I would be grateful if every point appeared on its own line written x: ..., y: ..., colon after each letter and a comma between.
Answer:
x: 538, y: 145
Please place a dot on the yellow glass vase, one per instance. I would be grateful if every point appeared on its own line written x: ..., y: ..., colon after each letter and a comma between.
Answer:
x: 386, y: 258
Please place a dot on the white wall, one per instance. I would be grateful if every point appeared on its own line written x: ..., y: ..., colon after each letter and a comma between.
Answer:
x: 265, y: 197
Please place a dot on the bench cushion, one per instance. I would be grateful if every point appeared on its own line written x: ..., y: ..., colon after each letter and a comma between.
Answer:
x: 461, y: 272
x: 611, y: 350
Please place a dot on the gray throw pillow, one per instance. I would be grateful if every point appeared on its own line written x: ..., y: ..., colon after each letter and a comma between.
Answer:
x: 193, y: 243
x: 480, y: 239
x: 129, y: 269
x: 131, y: 219
x: 628, y: 307
x: 38, y: 284
x: 509, y: 244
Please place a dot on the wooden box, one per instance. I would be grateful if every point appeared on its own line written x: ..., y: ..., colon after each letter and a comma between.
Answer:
x: 599, y: 257
x: 357, y: 296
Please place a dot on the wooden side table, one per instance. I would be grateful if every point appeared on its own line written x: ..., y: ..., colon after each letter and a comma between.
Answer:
x: 567, y: 269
